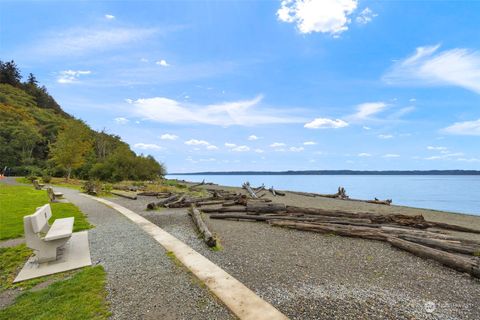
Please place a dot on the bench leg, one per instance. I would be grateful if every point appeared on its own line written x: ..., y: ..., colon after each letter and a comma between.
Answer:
x: 47, y: 254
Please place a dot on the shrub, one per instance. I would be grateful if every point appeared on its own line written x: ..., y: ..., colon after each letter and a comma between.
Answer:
x: 46, y: 178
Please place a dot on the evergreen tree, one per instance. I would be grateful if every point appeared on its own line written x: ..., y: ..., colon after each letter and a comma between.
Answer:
x: 9, y: 73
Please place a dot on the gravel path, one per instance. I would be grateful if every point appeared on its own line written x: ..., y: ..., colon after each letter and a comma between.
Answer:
x: 143, y: 283
x: 313, y: 276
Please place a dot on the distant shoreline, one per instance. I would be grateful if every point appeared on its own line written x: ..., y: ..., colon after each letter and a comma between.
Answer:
x: 341, y: 172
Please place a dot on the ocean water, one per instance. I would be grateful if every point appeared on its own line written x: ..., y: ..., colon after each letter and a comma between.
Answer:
x: 447, y: 193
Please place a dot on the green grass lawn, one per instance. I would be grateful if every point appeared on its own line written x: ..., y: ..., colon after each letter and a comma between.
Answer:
x: 61, y: 182
x: 81, y: 296
x: 19, y: 201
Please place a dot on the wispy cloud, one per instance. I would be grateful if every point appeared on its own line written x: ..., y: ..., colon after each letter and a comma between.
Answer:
x: 368, y: 109
x: 79, y: 41
x: 430, y: 66
x: 391, y: 155
x: 203, y: 143
x: 71, y: 76
x: 296, y: 149
x: 466, y: 128
x: 242, y: 113
x: 322, y: 123
x: 385, y: 136
x: 277, y: 145
x: 147, y: 146
x: 366, y: 16
x: 109, y: 17
x: 241, y: 149
x: 121, y: 120
x: 364, y: 154
x: 309, y: 143
x: 162, y: 63
x: 253, y: 137
x: 437, y: 148
x: 168, y: 136
x: 325, y: 16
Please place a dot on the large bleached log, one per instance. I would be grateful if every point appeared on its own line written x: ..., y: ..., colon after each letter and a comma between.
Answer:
x: 341, y: 230
x: 202, y: 227
x: 209, y: 203
x: 225, y: 209
x: 276, y: 192
x: 457, y: 262
x: 376, y: 201
x: 124, y: 194
x: 161, y: 203
x: 445, y: 245
x: 155, y: 194
x: 453, y: 227
x: 247, y: 187
x: 266, y: 207
x: 177, y: 203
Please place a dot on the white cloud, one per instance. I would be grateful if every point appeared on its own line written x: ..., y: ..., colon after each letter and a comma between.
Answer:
x: 466, y: 128
x: 364, y: 154
x: 385, y: 136
x: 162, y: 63
x: 391, y: 155
x: 365, y: 110
x: 469, y: 159
x: 253, y: 137
x: 446, y: 155
x: 109, y: 17
x: 259, y: 150
x: 277, y: 145
x: 81, y: 41
x: 366, y: 128
x: 121, y: 120
x: 195, y: 142
x: 437, y: 148
x: 143, y: 60
x: 429, y: 66
x: 230, y: 145
x: 70, y: 76
x: 321, y: 123
x: 296, y: 149
x: 212, y: 147
x: 366, y: 16
x: 412, y: 100
x: 325, y: 16
x: 243, y: 113
x: 168, y: 136
x: 147, y: 146
x: 241, y: 149
x: 309, y: 143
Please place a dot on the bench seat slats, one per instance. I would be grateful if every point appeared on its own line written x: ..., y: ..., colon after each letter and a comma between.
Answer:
x: 61, y: 228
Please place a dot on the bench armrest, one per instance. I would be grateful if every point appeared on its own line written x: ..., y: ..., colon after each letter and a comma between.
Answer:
x: 60, y: 229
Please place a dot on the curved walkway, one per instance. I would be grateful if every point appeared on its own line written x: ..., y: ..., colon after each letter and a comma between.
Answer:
x: 143, y: 283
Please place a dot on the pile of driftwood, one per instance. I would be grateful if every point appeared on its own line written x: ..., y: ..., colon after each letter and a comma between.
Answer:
x: 410, y: 233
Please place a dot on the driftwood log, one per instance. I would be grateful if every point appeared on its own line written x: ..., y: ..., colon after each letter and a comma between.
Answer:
x: 247, y: 187
x: 124, y: 194
x: 457, y: 262
x: 161, y: 203
x: 155, y: 194
x: 202, y: 227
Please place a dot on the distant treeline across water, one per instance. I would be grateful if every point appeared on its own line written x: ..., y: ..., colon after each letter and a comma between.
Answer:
x: 343, y: 172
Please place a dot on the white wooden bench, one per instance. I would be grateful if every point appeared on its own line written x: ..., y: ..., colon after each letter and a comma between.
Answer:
x: 42, y: 237
x: 53, y: 195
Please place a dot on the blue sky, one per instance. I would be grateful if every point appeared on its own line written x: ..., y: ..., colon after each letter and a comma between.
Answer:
x: 263, y: 85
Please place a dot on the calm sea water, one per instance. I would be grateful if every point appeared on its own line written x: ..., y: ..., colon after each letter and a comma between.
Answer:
x: 447, y: 193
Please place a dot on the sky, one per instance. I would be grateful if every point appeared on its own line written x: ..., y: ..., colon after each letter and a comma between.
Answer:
x: 263, y: 85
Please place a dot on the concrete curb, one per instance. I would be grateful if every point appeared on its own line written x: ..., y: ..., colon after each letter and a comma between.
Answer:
x: 239, y: 299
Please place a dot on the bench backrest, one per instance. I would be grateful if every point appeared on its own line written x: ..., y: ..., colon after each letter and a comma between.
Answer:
x: 36, y: 184
x: 51, y: 194
x: 39, y: 220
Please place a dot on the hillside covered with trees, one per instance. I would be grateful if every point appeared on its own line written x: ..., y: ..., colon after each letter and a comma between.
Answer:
x: 38, y: 138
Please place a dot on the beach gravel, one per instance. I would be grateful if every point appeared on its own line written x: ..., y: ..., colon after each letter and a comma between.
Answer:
x: 313, y: 276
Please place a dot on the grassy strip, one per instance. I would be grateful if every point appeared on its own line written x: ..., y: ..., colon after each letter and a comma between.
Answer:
x: 60, y: 182
x: 19, y: 201
x: 83, y: 296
